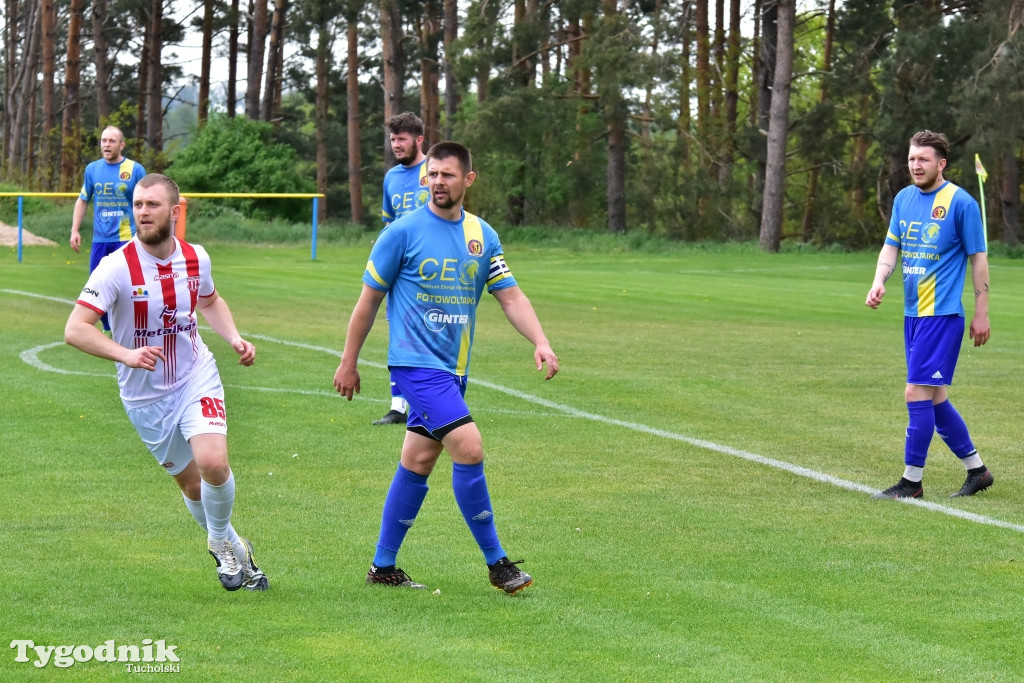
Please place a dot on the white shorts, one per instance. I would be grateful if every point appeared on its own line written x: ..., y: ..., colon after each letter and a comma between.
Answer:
x: 196, y: 407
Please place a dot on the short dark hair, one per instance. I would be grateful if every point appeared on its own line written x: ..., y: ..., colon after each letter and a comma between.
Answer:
x: 936, y: 141
x: 406, y: 122
x: 447, y: 149
x: 150, y: 179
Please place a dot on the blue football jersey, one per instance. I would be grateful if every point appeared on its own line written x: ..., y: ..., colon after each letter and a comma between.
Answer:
x: 935, y: 231
x: 434, y: 271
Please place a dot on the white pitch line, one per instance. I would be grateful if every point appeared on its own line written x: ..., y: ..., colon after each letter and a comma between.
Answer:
x: 633, y: 426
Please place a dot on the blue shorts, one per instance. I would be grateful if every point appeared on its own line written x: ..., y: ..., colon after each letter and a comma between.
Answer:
x: 101, y: 249
x: 436, y: 400
x: 932, y: 346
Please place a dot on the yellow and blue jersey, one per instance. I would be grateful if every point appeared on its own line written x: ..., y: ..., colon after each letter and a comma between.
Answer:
x: 110, y: 188
x: 935, y: 231
x: 434, y: 271
x: 405, y: 190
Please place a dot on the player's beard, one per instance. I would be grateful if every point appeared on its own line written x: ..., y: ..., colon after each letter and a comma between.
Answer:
x: 154, y: 234
x: 407, y: 158
x: 449, y: 201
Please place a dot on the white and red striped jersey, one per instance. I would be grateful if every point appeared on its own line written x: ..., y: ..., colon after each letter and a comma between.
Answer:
x: 151, y: 302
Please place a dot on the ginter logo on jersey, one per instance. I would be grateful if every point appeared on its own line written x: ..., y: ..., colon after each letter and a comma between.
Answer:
x: 437, y: 320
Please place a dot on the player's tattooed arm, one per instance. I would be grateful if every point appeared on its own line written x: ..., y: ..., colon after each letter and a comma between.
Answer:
x: 982, y: 290
x: 885, y: 269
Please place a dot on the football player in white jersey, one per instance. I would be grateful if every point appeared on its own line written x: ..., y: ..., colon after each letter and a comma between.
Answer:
x: 151, y: 289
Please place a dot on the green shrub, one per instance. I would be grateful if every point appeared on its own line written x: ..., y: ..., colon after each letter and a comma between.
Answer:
x: 237, y: 155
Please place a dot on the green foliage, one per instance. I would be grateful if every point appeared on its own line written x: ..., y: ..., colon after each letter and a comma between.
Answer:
x: 515, y: 158
x: 29, y: 205
x: 237, y: 155
x: 536, y: 113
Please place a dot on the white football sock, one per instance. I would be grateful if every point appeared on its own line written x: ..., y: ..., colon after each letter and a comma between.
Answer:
x: 196, y: 508
x: 217, y: 504
x: 913, y: 473
x: 972, y: 461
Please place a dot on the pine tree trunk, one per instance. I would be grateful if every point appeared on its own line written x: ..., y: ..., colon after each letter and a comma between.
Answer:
x: 775, y: 171
x: 394, y: 69
x: 155, y: 87
x: 71, y: 126
x: 355, y: 155
x: 812, y: 179
x: 204, y: 75
x: 275, y: 60
x: 257, y: 45
x: 99, y: 51
x: 232, y: 92
x: 50, y: 140
x: 430, y: 99
x: 451, y: 87
x: 323, y: 56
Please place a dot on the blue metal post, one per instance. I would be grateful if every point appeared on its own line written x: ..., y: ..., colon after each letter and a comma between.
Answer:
x: 21, y: 222
x: 315, y: 207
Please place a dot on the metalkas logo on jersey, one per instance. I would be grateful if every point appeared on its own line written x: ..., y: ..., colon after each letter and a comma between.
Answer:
x: 165, y: 331
x: 164, y: 276
x: 140, y: 294
x: 474, y: 247
x: 939, y: 212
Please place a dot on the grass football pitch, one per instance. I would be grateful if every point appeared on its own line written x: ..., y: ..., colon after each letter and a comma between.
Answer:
x: 691, y: 493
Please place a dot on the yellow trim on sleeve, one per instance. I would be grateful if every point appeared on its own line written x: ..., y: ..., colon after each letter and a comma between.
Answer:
x: 373, y: 273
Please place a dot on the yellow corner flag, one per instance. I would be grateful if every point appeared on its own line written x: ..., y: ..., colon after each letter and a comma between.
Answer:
x: 982, y: 177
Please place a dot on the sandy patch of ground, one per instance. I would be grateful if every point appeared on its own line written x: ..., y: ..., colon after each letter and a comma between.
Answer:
x: 9, y: 237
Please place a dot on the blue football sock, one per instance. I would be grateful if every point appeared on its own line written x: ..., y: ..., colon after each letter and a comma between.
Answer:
x: 953, y: 430
x: 403, y: 502
x: 470, y: 488
x: 919, y: 432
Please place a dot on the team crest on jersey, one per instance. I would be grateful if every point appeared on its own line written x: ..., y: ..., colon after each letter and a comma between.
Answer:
x: 930, y: 233
x: 125, y: 175
x: 193, y: 283
x: 939, y: 212
x: 140, y: 294
x: 475, y: 247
